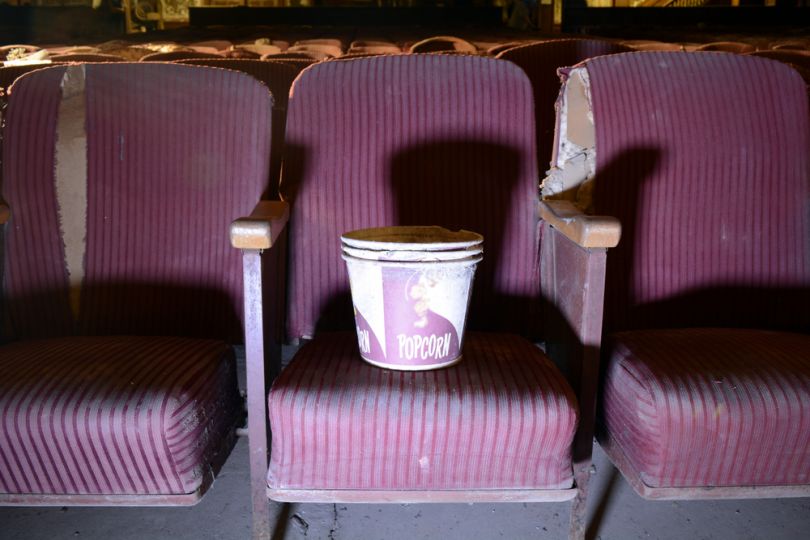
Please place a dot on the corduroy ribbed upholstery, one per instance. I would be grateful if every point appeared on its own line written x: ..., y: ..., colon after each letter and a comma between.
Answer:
x: 711, y: 407
x: 502, y: 418
x: 541, y: 61
x: 278, y: 77
x: 418, y: 139
x: 173, y: 155
x: 704, y: 159
x: 8, y: 74
x: 113, y: 415
x: 798, y: 60
x: 411, y: 140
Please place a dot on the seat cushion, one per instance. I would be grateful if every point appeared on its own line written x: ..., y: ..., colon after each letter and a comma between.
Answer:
x: 710, y: 407
x: 503, y: 417
x: 113, y: 415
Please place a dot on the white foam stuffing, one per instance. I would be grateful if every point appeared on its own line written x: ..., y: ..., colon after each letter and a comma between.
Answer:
x: 574, y: 167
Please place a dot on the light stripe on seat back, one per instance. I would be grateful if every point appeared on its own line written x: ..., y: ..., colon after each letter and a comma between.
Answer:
x: 704, y: 157
x: 174, y: 154
x: 411, y: 140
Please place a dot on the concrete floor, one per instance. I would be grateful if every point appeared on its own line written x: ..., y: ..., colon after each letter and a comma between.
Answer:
x: 615, y: 512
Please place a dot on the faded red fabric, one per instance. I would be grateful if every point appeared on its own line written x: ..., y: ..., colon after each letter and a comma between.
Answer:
x: 8, y: 74
x: 35, y: 279
x: 411, y: 140
x: 711, y: 407
x: 175, y: 154
x: 503, y: 417
x: 705, y: 159
x: 278, y: 77
x: 113, y: 415
x: 540, y: 61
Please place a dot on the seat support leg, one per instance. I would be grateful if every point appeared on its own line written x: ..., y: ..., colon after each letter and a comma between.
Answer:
x: 578, y: 524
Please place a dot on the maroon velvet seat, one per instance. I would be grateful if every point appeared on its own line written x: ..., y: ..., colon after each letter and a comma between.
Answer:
x: 122, y: 180
x: 707, y: 379
x: 798, y: 60
x: 368, y: 430
x: 426, y: 139
x: 710, y: 407
x: 114, y: 415
x: 540, y: 61
x: 9, y: 74
x: 278, y: 77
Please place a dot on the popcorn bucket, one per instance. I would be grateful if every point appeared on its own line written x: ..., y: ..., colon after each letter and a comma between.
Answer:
x: 411, y: 289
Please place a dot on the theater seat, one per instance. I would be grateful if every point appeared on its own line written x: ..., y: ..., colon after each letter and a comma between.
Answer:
x: 442, y: 140
x: 344, y: 424
x: 121, y: 293
x: 703, y: 158
x: 710, y: 407
x: 114, y: 415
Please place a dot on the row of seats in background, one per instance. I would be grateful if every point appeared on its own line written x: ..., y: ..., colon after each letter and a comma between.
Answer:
x: 713, y: 236
x: 324, y: 48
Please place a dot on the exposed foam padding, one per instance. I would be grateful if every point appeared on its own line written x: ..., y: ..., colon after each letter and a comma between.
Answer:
x: 571, y: 175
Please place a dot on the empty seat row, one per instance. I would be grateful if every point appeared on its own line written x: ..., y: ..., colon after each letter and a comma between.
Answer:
x: 124, y: 179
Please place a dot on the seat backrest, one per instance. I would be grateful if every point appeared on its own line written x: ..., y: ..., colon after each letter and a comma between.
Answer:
x: 86, y: 57
x: 704, y: 157
x: 9, y: 74
x: 443, y: 44
x: 278, y: 77
x: 540, y: 61
x: 122, y: 180
x: 795, y: 59
x: 411, y: 140
x: 172, y: 56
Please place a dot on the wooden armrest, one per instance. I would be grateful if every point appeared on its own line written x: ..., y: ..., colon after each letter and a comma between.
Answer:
x: 261, y: 228
x: 5, y: 213
x: 584, y: 230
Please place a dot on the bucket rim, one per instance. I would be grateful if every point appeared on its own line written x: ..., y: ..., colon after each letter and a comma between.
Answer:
x: 466, y: 261
x: 411, y: 238
x: 402, y: 255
